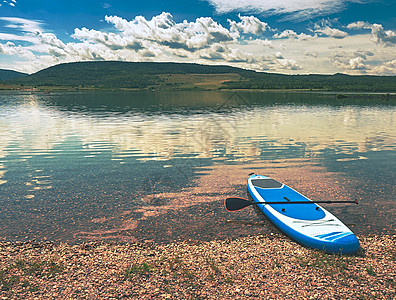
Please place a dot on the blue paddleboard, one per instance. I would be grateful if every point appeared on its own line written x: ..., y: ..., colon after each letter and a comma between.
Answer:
x: 309, y: 224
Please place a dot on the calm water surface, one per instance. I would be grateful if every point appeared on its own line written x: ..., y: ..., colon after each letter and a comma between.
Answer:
x: 134, y: 166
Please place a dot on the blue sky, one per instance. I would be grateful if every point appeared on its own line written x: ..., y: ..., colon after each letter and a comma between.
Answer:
x: 283, y: 36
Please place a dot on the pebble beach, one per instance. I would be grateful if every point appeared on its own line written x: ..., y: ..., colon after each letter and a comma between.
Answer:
x: 254, y: 267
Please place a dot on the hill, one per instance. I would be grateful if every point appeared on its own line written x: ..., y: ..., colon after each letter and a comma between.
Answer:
x: 111, y: 74
x: 336, y: 82
x: 8, y: 74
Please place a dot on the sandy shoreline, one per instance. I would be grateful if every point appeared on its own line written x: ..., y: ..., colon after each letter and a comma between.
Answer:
x: 255, y: 267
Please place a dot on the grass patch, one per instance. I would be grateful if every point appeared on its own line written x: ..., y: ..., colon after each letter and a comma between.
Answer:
x: 213, y: 266
x: 8, y: 282
x: 176, y: 267
x: 20, y: 264
x: 215, y: 271
x: 229, y: 280
x: 331, y: 263
x: 142, y: 270
x: 36, y: 268
x: 54, y: 268
x: 175, y: 263
x: 18, y: 272
x: 188, y: 274
x: 370, y: 270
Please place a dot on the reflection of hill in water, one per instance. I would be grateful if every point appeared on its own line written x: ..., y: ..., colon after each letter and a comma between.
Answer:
x: 168, y: 125
x: 187, y: 102
x: 68, y: 161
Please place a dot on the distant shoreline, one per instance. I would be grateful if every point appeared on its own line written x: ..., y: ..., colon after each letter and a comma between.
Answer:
x: 190, y: 76
x: 53, y: 89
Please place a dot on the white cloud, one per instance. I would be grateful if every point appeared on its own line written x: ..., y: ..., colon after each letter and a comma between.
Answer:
x: 245, y: 43
x: 11, y: 49
x: 289, y: 64
x: 358, y: 25
x: 290, y: 34
x: 50, y: 39
x: 363, y: 53
x: 387, y: 68
x: 111, y: 40
x: 279, y: 55
x: 300, y: 9
x: 332, y: 32
x: 264, y: 43
x: 248, y: 25
x: 15, y: 37
x: 162, y: 29
x: 357, y: 63
x: 378, y: 34
x: 348, y: 61
x: 10, y: 3
x: 311, y: 53
x: 24, y: 25
x: 381, y: 36
x: 141, y: 39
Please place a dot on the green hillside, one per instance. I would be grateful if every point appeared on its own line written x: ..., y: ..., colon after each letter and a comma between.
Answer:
x: 8, y: 74
x: 110, y: 74
x: 336, y: 82
x: 107, y: 74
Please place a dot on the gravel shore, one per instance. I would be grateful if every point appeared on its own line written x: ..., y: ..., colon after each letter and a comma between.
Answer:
x: 255, y: 267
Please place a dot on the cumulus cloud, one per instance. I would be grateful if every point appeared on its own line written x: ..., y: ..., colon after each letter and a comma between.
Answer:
x: 289, y: 64
x: 50, y: 39
x: 162, y: 29
x: 349, y: 61
x: 286, y: 34
x: 332, y: 32
x: 111, y: 40
x: 326, y: 27
x: 297, y: 9
x: 359, y: 25
x: 378, y: 34
x: 248, y: 25
x: 291, y: 34
x: 387, y: 68
x: 10, y: 48
x: 246, y: 42
x: 357, y: 63
x: 279, y: 55
x: 141, y: 39
x: 381, y: 36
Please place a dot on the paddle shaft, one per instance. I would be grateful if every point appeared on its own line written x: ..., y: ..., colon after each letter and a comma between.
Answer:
x: 301, y: 202
x: 237, y: 203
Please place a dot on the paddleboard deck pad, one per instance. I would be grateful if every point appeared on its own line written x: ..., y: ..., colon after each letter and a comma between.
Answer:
x: 309, y: 224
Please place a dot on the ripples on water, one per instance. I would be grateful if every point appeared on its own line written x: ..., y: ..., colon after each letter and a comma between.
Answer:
x: 77, y: 166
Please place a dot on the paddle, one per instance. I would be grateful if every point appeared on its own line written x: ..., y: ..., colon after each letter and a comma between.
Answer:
x: 237, y: 203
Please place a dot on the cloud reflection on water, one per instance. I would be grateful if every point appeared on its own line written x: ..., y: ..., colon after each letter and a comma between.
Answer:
x: 76, y: 156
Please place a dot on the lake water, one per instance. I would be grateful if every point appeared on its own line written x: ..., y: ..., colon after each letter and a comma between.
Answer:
x: 136, y: 166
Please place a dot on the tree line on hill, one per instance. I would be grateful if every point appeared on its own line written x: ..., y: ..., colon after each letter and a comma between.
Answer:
x: 111, y: 74
x: 10, y: 75
x: 336, y: 82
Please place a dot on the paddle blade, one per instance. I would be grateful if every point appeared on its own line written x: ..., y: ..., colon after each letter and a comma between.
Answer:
x: 236, y: 203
